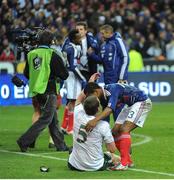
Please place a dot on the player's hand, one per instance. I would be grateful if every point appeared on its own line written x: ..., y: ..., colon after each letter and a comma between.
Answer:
x: 90, y: 51
x: 94, y: 77
x: 91, y: 125
x: 122, y: 81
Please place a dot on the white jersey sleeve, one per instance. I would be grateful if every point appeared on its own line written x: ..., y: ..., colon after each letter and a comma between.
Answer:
x: 105, y: 130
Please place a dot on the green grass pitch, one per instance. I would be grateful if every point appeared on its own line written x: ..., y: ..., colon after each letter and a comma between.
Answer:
x: 153, y: 149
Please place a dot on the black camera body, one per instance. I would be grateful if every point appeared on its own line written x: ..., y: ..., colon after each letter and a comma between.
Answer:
x: 27, y: 39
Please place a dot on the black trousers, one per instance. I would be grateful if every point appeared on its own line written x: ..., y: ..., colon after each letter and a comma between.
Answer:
x: 48, y: 103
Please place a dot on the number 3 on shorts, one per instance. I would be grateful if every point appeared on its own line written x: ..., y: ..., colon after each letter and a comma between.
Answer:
x: 131, y: 114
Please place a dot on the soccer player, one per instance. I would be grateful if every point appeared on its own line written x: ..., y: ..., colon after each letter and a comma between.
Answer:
x: 133, y: 115
x: 74, y: 81
x: 87, y: 66
x: 113, y: 56
x: 87, y: 154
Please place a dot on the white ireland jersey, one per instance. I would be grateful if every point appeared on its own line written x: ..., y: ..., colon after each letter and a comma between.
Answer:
x: 87, y: 151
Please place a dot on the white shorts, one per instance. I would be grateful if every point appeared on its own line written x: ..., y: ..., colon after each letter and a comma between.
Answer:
x: 73, y: 86
x: 136, y: 113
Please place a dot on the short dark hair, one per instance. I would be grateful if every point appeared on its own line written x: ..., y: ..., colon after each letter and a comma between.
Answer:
x: 82, y: 23
x: 90, y: 88
x: 45, y: 37
x: 72, y: 34
x: 91, y: 104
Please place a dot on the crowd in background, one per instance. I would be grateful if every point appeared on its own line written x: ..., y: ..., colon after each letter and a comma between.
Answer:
x: 146, y: 25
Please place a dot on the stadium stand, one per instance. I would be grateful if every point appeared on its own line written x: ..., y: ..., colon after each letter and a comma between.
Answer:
x: 147, y: 24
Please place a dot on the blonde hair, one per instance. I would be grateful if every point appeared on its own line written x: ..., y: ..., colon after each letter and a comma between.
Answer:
x: 107, y: 28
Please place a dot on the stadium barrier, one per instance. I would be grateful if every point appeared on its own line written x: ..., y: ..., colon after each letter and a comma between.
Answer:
x: 158, y: 85
x: 158, y: 66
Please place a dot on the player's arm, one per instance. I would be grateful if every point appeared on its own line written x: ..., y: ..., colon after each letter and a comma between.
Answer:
x: 107, y: 137
x: 92, y: 123
x: 92, y: 41
x: 93, y: 56
x: 82, y: 95
x: 113, y: 99
x: 80, y: 98
x: 111, y: 147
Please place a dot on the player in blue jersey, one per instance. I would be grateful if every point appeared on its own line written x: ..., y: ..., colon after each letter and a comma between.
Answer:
x: 133, y: 115
x: 73, y: 83
x: 113, y: 56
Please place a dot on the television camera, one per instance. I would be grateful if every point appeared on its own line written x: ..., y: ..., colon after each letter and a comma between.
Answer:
x: 26, y: 39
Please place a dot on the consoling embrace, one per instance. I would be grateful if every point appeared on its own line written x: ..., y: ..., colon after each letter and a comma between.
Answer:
x: 91, y: 129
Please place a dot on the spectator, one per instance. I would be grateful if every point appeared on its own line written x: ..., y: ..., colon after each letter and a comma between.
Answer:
x: 7, y: 53
x: 145, y: 18
x: 136, y: 60
x: 170, y: 49
x: 155, y: 52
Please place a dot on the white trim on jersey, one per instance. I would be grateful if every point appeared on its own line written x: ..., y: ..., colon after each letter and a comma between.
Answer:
x: 125, y: 59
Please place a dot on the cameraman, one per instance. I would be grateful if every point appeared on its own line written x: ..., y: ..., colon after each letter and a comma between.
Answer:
x: 43, y: 67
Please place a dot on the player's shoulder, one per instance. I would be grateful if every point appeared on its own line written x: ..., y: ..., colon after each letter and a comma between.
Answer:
x: 68, y: 48
x: 103, y: 125
x: 78, y: 107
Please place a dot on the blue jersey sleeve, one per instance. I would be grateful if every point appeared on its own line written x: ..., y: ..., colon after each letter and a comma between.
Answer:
x: 115, y: 90
x: 92, y: 42
x: 65, y: 43
x: 70, y: 56
x: 95, y: 57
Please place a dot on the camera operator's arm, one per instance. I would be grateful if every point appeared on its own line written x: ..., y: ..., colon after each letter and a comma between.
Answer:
x: 57, y: 67
x: 26, y: 70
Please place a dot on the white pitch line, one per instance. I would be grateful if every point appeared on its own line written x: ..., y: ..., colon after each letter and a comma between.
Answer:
x: 151, y: 172
x: 33, y: 155
x: 55, y: 152
x: 61, y: 159
x: 146, y: 139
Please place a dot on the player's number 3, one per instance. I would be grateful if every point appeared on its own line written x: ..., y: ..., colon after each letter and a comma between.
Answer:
x: 131, y: 114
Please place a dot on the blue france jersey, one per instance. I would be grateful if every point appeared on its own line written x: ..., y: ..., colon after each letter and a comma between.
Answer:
x: 73, y: 55
x: 123, y: 93
x: 115, y: 59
